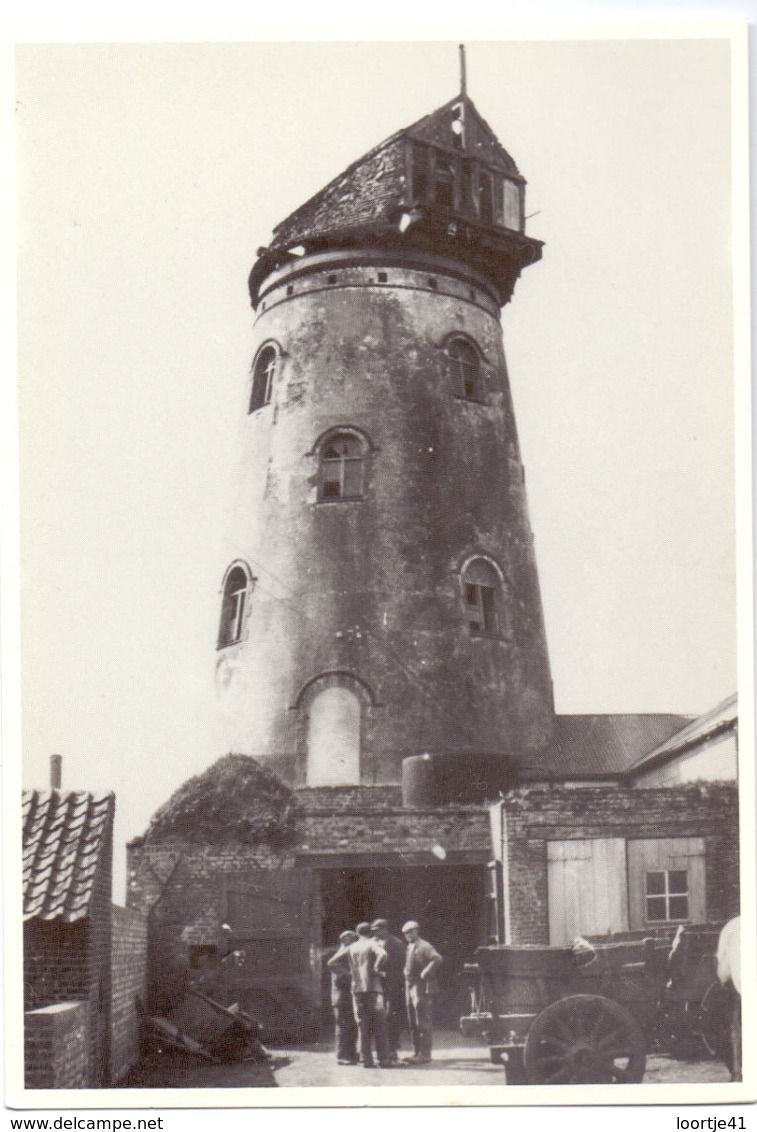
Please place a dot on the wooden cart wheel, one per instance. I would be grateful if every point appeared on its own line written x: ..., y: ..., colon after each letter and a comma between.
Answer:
x: 585, y: 1039
x: 715, y: 1021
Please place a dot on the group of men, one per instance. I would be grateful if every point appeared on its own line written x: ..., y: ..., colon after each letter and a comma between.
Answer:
x: 377, y: 981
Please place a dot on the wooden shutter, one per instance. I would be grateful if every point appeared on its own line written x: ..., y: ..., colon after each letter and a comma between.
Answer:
x: 663, y: 853
x: 586, y: 885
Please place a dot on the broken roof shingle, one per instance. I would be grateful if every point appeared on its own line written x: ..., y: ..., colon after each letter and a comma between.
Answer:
x: 369, y: 188
x: 64, y: 836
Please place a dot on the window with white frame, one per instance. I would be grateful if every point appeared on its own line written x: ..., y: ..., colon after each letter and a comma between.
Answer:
x: 263, y: 371
x: 482, y: 595
x: 464, y: 368
x: 341, y: 467
x: 667, y: 895
x: 233, y: 606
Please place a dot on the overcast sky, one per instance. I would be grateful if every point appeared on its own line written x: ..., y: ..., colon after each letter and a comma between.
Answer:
x: 148, y: 177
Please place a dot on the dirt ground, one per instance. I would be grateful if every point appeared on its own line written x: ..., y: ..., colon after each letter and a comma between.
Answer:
x: 455, y: 1063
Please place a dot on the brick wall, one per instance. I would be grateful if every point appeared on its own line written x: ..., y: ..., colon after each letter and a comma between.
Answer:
x: 99, y: 965
x: 181, y: 886
x: 533, y: 816
x: 66, y: 963
x: 56, y: 1053
x: 128, y: 983
x: 348, y: 821
x: 55, y: 963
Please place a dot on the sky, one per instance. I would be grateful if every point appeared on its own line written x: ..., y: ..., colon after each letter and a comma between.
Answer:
x: 149, y: 175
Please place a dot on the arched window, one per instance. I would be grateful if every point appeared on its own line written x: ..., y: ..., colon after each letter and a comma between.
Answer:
x: 333, y: 739
x: 341, y: 467
x: 234, y: 606
x: 482, y: 595
x: 464, y: 369
x: 262, y: 377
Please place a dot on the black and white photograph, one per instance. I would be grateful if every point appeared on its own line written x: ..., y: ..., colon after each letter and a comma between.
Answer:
x: 386, y: 681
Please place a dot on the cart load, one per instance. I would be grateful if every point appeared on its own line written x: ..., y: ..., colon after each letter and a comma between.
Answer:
x: 589, y: 1013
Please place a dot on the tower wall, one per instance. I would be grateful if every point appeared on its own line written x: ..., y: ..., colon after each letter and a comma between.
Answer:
x: 368, y: 593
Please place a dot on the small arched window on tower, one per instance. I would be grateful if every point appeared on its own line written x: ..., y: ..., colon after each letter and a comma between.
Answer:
x: 341, y: 472
x: 464, y: 369
x: 482, y: 596
x: 236, y: 593
x: 263, y: 370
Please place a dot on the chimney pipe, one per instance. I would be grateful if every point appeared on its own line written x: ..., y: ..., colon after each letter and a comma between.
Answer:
x: 56, y: 766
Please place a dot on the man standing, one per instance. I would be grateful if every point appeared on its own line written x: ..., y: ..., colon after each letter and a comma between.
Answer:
x: 421, y: 984
x: 367, y: 959
x: 341, y: 1001
x: 394, y: 983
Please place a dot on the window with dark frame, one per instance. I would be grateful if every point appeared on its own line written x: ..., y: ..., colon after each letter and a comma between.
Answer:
x: 444, y: 179
x: 262, y: 378
x: 420, y: 162
x: 511, y: 205
x: 233, y: 607
x: 667, y: 895
x: 202, y: 954
x: 453, y: 180
x: 485, y: 197
x: 342, y: 460
x: 464, y: 368
x: 481, y: 588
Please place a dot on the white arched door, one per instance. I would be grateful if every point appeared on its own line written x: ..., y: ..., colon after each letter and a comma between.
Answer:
x: 334, y: 739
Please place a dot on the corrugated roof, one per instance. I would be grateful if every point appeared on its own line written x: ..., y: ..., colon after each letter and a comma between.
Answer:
x: 720, y: 719
x: 64, y: 833
x: 601, y: 746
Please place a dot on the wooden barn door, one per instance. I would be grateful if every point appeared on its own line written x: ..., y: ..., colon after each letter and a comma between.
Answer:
x: 269, y: 914
x: 587, y: 887
x: 666, y: 881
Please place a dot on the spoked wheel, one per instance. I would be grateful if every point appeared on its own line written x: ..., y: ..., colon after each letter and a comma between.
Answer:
x: 585, y: 1039
x: 715, y: 1021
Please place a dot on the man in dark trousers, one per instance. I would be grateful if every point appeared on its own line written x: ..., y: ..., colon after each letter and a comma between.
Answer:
x: 367, y: 959
x: 394, y: 983
x: 421, y: 985
x: 341, y: 1001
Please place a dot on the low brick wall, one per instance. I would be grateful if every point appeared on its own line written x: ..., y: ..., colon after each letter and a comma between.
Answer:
x: 56, y: 1046
x: 129, y: 984
x: 535, y: 815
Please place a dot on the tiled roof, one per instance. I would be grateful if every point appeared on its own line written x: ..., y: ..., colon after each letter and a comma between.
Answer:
x: 64, y: 833
x: 601, y: 746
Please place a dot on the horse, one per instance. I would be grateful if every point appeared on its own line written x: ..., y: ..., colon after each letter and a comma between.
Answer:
x: 728, y: 959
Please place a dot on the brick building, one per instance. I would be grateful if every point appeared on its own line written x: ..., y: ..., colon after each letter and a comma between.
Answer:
x: 84, y: 959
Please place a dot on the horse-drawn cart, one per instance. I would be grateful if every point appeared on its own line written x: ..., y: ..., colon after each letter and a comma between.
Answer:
x: 590, y: 1013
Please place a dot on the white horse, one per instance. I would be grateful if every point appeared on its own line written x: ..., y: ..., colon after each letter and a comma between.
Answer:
x: 729, y: 974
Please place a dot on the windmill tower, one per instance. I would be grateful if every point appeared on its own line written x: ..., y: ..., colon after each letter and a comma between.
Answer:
x: 381, y: 599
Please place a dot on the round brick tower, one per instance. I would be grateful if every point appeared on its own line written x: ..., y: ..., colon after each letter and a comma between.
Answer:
x: 381, y: 598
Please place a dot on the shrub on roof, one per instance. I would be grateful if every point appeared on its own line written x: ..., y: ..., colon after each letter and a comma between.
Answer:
x: 235, y: 801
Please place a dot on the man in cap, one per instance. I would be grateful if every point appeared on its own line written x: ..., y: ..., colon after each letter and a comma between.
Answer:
x: 394, y: 982
x: 367, y: 959
x: 341, y: 1001
x: 421, y: 984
